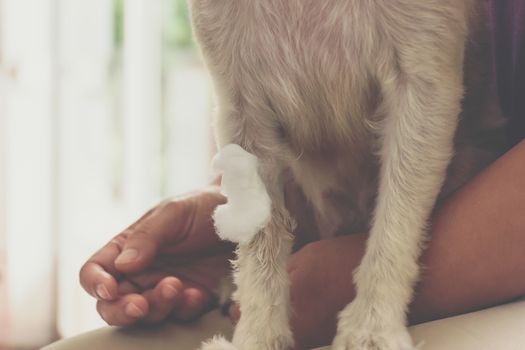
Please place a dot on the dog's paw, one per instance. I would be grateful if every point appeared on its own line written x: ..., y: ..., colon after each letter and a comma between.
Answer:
x: 217, y: 343
x: 357, y: 330
x: 264, y: 343
x: 363, y: 339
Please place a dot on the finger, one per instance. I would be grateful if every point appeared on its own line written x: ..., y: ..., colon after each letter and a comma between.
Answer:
x: 98, y: 275
x: 127, y: 287
x: 194, y: 303
x: 98, y: 282
x: 148, y: 279
x: 144, y: 238
x: 199, y: 274
x: 163, y: 299
x: 125, y: 311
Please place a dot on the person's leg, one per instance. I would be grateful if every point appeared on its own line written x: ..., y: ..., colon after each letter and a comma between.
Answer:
x: 186, y: 336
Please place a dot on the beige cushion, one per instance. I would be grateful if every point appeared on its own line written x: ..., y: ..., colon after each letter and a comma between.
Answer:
x: 497, y: 328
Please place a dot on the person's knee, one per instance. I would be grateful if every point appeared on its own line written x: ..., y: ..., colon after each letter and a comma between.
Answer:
x: 168, y: 337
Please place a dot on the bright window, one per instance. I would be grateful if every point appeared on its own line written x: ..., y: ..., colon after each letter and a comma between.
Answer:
x: 104, y: 109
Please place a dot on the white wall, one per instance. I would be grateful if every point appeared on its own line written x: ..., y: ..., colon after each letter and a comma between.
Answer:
x: 4, y: 80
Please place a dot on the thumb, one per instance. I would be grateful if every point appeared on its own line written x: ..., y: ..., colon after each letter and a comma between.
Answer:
x: 143, y: 240
x: 139, y: 249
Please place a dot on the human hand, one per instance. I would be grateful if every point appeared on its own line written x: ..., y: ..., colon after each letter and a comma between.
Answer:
x: 167, y: 264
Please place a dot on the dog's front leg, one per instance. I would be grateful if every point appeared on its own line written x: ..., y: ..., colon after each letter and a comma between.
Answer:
x: 417, y: 144
x: 262, y: 290
x: 263, y: 287
x: 262, y: 279
x: 263, y: 228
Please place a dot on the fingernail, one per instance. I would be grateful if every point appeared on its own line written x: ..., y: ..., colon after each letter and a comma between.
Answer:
x: 103, y: 292
x: 169, y: 292
x: 127, y: 256
x: 133, y: 310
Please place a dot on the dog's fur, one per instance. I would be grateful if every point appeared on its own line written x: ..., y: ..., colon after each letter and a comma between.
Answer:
x: 357, y: 102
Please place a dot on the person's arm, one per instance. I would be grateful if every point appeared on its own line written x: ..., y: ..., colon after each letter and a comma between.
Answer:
x: 474, y: 258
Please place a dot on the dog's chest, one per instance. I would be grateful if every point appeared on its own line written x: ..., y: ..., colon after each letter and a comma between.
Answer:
x: 301, y: 67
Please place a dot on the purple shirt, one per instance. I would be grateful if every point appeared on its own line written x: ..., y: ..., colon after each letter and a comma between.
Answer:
x: 508, y: 30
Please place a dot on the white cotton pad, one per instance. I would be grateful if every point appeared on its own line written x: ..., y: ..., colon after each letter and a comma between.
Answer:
x: 249, y: 206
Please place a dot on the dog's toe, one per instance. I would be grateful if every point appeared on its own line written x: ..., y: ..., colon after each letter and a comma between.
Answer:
x: 217, y: 343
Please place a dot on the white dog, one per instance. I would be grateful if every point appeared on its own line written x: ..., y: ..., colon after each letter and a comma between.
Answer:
x: 358, y: 98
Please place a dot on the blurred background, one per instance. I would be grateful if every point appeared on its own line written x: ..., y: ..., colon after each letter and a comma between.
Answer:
x: 104, y: 110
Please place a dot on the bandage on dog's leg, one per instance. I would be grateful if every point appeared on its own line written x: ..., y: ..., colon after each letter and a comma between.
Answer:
x: 249, y: 206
